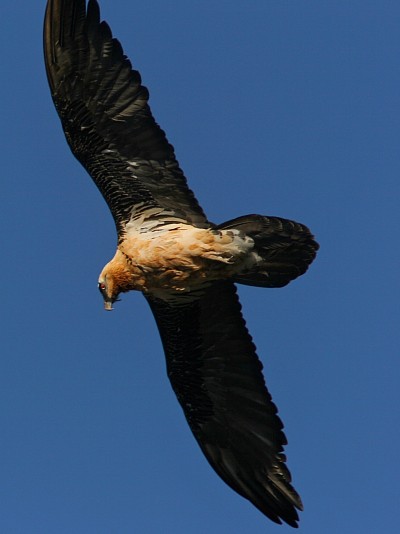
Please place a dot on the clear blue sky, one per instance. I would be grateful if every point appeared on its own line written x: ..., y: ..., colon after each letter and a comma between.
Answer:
x: 286, y: 108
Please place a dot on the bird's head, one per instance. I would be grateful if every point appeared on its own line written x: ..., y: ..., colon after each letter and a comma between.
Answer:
x: 108, y: 289
x: 114, y: 279
x: 118, y: 276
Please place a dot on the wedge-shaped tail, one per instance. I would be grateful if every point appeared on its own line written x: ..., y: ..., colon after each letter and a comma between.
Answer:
x: 285, y: 249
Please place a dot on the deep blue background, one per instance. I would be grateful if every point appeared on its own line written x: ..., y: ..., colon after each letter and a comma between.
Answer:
x: 286, y: 108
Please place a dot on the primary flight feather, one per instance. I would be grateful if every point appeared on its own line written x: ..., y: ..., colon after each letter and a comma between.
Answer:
x: 185, y: 265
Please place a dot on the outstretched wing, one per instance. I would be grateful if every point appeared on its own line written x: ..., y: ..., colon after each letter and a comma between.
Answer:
x: 216, y: 375
x: 106, y: 117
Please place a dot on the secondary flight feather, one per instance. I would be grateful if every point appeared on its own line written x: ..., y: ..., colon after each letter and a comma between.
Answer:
x: 185, y: 265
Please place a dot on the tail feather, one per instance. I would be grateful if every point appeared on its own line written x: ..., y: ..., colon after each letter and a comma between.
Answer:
x: 285, y: 249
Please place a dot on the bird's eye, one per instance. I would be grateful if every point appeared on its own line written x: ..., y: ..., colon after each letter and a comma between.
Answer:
x: 102, y: 286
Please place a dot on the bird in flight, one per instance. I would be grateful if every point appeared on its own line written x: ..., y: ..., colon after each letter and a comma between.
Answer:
x: 185, y: 265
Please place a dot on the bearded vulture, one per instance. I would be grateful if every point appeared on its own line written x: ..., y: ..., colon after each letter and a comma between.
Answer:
x: 185, y: 265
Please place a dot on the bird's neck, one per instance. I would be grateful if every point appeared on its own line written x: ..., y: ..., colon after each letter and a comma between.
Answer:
x: 126, y: 276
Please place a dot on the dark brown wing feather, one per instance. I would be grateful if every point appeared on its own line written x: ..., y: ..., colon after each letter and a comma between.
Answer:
x: 106, y: 118
x: 216, y: 375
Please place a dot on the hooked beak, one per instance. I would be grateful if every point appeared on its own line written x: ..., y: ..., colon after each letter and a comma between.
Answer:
x: 108, y: 305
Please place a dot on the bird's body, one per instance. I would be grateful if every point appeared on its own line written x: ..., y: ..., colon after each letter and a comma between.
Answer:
x: 176, y: 258
x: 185, y: 266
